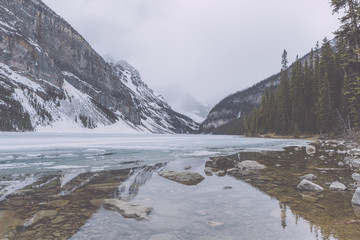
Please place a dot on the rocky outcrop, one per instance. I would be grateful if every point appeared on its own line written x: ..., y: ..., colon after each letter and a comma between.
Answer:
x: 306, y: 185
x: 186, y: 177
x: 49, y: 73
x: 127, y: 209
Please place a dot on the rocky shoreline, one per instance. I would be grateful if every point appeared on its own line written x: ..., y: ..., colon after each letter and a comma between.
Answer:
x: 319, y: 182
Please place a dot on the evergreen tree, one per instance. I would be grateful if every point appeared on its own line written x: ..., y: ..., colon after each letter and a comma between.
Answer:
x: 349, y: 34
x: 284, y: 110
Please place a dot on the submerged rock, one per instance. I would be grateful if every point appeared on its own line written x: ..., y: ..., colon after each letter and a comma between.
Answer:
x: 221, y: 173
x: 162, y: 236
x: 251, y: 165
x: 309, y: 177
x: 187, y: 177
x: 337, y: 186
x: 306, y: 185
x: 221, y: 163
x: 39, y: 216
x: 310, y: 149
x: 356, y: 197
x: 215, y: 224
x: 127, y: 209
x: 187, y: 167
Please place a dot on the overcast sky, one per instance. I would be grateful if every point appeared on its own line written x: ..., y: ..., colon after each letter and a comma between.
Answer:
x: 209, y: 48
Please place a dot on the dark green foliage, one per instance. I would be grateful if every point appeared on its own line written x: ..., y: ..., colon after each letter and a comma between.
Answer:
x: 322, y: 94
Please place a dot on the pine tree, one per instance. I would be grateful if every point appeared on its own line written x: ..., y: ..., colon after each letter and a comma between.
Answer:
x: 349, y: 33
x: 284, y: 110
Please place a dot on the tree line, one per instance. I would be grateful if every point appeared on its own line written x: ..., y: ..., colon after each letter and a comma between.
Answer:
x: 321, y: 93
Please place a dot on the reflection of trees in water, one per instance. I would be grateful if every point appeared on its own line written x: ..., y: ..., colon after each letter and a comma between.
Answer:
x: 283, y: 208
x: 129, y: 189
x: 329, y: 213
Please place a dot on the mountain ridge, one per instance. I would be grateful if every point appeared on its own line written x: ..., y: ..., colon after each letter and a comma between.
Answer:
x: 72, y: 81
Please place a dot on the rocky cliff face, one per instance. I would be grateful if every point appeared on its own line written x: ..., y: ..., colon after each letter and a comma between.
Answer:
x: 49, y: 74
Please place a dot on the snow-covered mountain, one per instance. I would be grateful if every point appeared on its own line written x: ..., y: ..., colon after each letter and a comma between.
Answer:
x: 184, y: 103
x: 52, y: 80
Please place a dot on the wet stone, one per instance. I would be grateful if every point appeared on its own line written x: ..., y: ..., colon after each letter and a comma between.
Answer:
x: 208, y: 171
x: 187, y: 177
x: 356, y: 197
x: 337, y: 186
x: 221, y: 173
x: 306, y: 185
x: 187, y: 167
x: 250, y: 165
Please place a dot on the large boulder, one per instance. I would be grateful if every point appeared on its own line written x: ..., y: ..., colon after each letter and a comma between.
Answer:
x: 306, y: 185
x: 127, y: 209
x: 186, y: 177
x: 250, y: 165
x: 337, y: 186
x: 356, y: 197
x: 221, y: 163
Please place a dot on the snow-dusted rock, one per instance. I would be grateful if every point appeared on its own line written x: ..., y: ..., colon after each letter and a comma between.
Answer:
x: 337, y: 186
x: 251, y: 165
x: 322, y: 157
x: 356, y: 197
x: 127, y: 209
x: 310, y: 149
x: 186, y: 177
x: 309, y: 177
x: 306, y: 185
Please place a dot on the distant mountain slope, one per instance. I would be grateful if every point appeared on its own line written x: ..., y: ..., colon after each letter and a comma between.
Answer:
x: 186, y: 104
x: 49, y: 74
x: 239, y: 103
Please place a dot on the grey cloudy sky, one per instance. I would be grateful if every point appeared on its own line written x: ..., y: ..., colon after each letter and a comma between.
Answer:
x: 209, y: 48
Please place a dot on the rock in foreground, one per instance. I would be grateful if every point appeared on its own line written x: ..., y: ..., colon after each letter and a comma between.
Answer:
x: 337, y: 186
x: 127, y: 209
x: 306, y: 185
x: 250, y: 165
x: 186, y: 177
x: 356, y: 198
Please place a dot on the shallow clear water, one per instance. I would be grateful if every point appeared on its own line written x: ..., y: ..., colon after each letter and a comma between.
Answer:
x: 60, y: 176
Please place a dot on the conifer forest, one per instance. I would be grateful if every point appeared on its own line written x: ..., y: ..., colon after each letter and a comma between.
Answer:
x: 321, y: 92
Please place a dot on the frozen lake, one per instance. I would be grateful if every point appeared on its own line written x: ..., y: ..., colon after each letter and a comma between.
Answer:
x: 72, y: 170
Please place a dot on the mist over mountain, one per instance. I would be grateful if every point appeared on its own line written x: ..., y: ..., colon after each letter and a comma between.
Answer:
x: 184, y: 103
